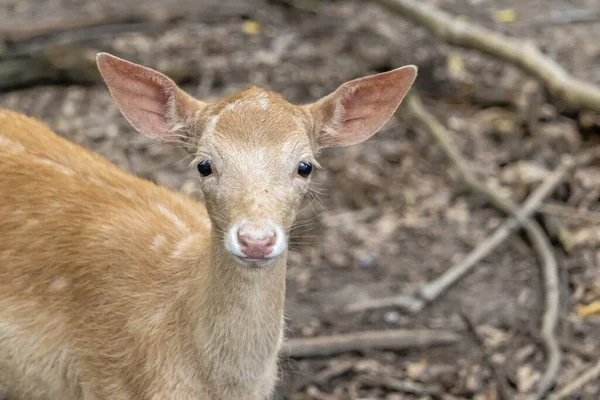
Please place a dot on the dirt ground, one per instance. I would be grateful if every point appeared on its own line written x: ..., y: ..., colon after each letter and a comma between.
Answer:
x: 388, y: 215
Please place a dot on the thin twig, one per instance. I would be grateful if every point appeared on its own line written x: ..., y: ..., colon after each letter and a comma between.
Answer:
x: 589, y: 375
x: 504, y: 392
x: 523, y: 54
x: 393, y: 339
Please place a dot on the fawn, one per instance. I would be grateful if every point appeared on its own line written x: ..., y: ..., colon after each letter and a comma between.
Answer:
x: 114, y: 288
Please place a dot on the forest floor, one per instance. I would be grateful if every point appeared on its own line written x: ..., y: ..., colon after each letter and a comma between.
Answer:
x: 389, y: 214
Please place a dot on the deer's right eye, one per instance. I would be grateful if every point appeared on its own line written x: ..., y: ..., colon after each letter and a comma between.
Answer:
x: 205, y: 168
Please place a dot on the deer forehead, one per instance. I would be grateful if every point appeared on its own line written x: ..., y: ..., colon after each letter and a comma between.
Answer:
x: 257, y: 121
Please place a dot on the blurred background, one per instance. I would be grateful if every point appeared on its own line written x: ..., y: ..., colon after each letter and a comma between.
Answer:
x: 387, y: 216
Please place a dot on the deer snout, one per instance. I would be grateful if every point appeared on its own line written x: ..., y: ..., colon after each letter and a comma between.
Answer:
x: 255, y: 242
x: 256, y: 246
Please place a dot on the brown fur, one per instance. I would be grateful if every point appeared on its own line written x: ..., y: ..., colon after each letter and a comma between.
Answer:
x: 114, y: 288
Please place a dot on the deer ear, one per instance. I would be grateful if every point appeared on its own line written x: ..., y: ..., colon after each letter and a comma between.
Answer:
x: 359, y: 108
x: 151, y: 102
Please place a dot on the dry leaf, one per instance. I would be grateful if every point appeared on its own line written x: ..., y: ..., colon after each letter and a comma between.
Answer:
x: 562, y: 133
x: 492, y: 336
x: 415, y: 370
x: 456, y: 64
x: 589, y: 177
x: 499, y: 120
x: 590, y: 309
x: 504, y: 16
x: 523, y: 172
x: 527, y: 377
x: 589, y: 236
x: 251, y: 27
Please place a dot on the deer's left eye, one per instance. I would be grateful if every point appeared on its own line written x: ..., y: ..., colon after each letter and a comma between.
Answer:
x: 304, y: 169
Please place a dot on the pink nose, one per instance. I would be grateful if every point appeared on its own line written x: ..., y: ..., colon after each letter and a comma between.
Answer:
x: 256, y: 248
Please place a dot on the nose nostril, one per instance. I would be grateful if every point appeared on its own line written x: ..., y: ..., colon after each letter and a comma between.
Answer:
x: 270, y: 241
x: 244, y: 240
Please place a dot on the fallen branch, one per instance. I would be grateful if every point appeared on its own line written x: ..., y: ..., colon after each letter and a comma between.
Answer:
x: 525, y: 55
x: 395, y: 339
x: 61, y: 64
x: 36, y: 45
x: 50, y: 49
x: 571, y: 388
x: 211, y: 11
x: 16, y: 33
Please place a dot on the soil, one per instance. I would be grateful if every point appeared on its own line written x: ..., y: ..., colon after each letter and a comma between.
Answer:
x: 387, y: 215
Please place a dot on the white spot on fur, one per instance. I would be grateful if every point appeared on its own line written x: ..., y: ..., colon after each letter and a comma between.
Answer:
x: 128, y: 192
x: 182, y: 245
x: 6, y: 253
x: 201, y: 218
x: 88, y: 156
x: 59, y: 284
x: 29, y: 223
x: 172, y: 217
x: 13, y: 146
x: 263, y: 100
x: 158, y: 241
x: 158, y: 317
x: 210, y: 127
x: 97, y: 181
x: 55, y: 165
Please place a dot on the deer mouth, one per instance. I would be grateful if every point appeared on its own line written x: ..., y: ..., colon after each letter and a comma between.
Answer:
x: 254, y: 262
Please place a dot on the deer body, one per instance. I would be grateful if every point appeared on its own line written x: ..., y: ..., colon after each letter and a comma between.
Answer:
x: 112, y: 287
x: 143, y: 326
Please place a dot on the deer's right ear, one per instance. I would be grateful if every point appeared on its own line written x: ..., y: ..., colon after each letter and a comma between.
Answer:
x: 150, y: 101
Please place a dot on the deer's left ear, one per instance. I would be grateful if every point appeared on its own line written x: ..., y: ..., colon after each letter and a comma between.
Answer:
x: 359, y: 108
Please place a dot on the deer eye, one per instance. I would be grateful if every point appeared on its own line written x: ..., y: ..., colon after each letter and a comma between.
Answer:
x: 204, y: 168
x: 304, y: 169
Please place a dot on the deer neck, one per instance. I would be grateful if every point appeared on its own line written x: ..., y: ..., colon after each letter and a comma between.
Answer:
x: 238, y: 315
